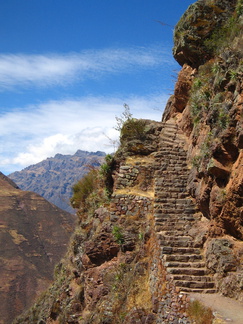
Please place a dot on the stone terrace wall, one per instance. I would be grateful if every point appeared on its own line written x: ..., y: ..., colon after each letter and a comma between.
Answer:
x: 130, y: 205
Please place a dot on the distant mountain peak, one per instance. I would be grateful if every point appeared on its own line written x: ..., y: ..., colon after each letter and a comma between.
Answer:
x: 85, y: 153
x: 54, y: 177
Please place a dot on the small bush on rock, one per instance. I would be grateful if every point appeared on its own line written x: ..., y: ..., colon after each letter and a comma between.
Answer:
x: 133, y: 129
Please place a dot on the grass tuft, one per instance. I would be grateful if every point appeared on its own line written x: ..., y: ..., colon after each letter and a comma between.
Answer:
x: 199, y: 313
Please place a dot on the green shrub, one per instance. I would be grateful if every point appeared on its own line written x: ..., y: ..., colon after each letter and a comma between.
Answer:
x: 239, y: 8
x: 196, y: 161
x: 223, y: 119
x: 117, y: 233
x: 223, y: 36
x: 133, y: 129
x: 83, y: 188
x: 106, y: 173
x: 129, y: 127
x: 233, y: 75
x: 205, y: 148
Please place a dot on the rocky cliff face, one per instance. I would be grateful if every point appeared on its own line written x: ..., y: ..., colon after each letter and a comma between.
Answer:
x: 208, y: 106
x: 33, y: 237
x: 173, y: 224
x: 54, y: 177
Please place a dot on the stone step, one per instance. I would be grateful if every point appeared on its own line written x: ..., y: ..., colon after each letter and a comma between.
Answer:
x: 173, y: 213
x: 167, y: 139
x: 161, y: 206
x: 185, y: 290
x: 186, y: 201
x: 183, y: 257
x: 169, y: 191
x: 171, y: 232
x: 162, y: 236
x: 179, y: 250
x: 158, y: 206
x: 176, y: 243
x: 174, y: 217
x: 181, y: 277
x: 172, y: 209
x: 185, y: 264
x: 170, y: 219
x: 171, y: 168
x: 171, y: 195
x: 164, y: 180
x: 171, y: 160
x: 184, y: 214
x: 172, y: 206
x: 174, y: 231
x: 176, y: 154
x: 173, y: 228
x: 161, y: 179
x: 171, y: 186
x: 178, y: 232
x: 178, y: 216
x: 159, y: 187
x: 162, y: 154
x: 169, y: 124
x: 194, y: 284
x: 164, y: 172
x: 188, y: 271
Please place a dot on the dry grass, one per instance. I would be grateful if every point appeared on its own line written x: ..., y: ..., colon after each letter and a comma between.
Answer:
x: 200, y: 314
x: 135, y: 191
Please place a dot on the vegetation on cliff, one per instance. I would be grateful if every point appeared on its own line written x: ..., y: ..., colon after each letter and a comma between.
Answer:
x: 114, y: 271
x: 208, y: 105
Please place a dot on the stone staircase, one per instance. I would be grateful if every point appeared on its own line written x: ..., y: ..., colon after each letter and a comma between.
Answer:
x: 174, y: 213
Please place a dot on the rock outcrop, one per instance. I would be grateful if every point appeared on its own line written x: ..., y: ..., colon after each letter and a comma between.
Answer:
x: 209, y: 110
x: 33, y: 237
x: 200, y: 22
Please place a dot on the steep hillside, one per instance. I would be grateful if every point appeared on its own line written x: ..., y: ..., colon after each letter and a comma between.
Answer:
x: 208, y: 106
x: 54, y: 177
x: 164, y: 218
x: 33, y: 237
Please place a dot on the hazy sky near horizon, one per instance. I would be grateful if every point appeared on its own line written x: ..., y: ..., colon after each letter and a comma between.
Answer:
x: 68, y: 66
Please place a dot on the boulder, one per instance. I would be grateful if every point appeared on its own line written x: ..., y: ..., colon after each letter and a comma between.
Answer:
x: 198, y: 23
x: 219, y: 256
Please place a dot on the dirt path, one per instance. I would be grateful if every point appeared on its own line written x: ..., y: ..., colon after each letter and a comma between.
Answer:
x: 226, y: 310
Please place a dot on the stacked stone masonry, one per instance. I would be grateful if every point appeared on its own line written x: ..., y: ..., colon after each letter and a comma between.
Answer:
x: 175, y: 214
x: 163, y: 193
x: 130, y: 205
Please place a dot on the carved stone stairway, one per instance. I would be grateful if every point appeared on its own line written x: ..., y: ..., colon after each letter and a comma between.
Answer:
x: 174, y: 213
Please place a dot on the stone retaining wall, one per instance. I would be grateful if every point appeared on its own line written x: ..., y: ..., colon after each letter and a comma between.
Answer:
x: 130, y: 205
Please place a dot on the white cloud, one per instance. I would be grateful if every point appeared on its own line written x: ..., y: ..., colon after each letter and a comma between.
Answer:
x: 34, y: 133
x: 18, y: 70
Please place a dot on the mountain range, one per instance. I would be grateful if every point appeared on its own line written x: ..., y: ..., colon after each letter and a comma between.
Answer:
x: 54, y: 177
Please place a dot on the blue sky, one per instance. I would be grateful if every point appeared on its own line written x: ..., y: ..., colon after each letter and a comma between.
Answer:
x: 68, y: 66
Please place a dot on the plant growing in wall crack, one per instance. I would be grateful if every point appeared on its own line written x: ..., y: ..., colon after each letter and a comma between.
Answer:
x: 118, y: 235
